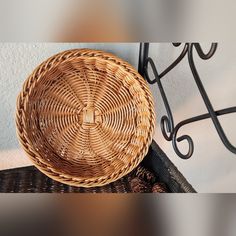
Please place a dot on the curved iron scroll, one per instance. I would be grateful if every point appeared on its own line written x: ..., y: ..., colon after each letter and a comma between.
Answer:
x: 168, y: 128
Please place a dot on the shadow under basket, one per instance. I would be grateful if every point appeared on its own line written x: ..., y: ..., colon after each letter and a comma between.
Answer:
x: 156, y: 173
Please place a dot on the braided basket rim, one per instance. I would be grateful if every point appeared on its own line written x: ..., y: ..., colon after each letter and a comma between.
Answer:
x: 23, y: 98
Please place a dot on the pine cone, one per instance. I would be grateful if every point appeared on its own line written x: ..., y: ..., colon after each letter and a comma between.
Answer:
x: 145, y: 174
x: 159, y: 188
x: 140, y: 186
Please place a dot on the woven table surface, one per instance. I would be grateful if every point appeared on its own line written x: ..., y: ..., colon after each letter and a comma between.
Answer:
x: 30, y: 180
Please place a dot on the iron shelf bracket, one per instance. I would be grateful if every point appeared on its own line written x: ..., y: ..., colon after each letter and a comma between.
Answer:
x: 168, y: 127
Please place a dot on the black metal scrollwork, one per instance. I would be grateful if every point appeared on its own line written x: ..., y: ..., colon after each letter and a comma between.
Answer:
x: 169, y: 130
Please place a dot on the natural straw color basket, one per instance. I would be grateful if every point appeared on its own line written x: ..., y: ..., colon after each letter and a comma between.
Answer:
x: 85, y: 117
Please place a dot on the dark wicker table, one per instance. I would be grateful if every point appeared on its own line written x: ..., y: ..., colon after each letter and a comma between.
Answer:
x: 29, y: 179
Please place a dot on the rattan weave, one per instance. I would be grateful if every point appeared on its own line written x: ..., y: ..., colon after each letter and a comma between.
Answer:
x: 30, y: 180
x: 85, y: 117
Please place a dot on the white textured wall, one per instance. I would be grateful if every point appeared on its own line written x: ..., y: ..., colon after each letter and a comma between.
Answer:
x: 211, y: 169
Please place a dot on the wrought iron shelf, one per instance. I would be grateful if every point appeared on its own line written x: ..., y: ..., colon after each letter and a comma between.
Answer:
x: 168, y: 127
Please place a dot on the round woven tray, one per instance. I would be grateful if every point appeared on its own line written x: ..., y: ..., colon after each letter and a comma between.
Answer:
x: 85, y: 117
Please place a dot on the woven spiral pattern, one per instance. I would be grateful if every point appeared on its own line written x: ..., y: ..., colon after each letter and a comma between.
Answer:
x: 85, y: 117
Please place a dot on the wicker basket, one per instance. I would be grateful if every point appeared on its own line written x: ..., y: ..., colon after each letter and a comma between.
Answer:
x: 85, y: 117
